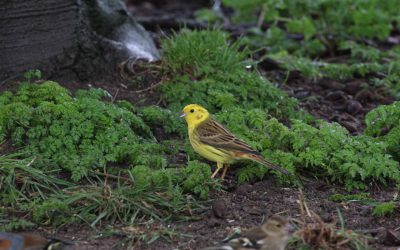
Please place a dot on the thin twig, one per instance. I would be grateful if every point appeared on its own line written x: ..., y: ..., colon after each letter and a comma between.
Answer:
x: 115, y: 96
x: 261, y: 17
x: 149, y: 88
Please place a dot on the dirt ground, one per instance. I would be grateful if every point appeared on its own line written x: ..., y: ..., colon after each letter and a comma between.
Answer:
x: 249, y: 204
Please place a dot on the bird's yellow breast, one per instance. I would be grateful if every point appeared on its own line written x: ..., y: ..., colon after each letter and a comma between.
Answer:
x: 209, y: 152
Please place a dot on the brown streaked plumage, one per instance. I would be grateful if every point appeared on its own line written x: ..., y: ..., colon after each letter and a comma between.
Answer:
x: 214, y: 142
x: 271, y: 235
x: 30, y: 241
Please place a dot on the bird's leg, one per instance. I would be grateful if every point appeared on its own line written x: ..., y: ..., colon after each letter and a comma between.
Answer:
x: 224, y: 172
x: 219, y: 166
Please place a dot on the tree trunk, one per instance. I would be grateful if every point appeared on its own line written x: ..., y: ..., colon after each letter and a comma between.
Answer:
x: 69, y: 39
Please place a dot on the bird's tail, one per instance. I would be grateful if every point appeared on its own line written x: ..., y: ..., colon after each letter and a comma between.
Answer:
x: 266, y: 163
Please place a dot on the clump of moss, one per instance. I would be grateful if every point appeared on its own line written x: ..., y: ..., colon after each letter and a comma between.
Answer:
x: 384, y: 208
x: 349, y: 197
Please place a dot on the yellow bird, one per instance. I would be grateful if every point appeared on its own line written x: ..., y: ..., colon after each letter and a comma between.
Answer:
x: 215, y: 143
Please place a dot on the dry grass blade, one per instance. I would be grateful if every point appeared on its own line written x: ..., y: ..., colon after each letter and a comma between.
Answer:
x: 317, y: 234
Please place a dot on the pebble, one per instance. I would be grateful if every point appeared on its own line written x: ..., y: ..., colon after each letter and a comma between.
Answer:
x: 219, y: 208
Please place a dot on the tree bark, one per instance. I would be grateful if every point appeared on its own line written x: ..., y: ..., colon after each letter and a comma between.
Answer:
x: 73, y: 39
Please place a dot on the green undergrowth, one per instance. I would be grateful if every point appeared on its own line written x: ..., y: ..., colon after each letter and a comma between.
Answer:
x: 84, y: 158
x: 211, y: 72
x: 350, y: 197
x: 383, y: 123
x: 302, y: 34
x: 256, y: 111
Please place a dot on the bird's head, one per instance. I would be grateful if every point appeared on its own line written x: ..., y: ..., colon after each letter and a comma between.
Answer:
x: 277, y: 226
x: 194, y: 114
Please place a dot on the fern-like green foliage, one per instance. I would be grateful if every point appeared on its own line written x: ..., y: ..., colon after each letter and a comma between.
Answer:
x: 75, y: 133
x: 383, y: 123
x: 155, y: 116
x: 320, y: 27
x: 328, y: 150
x: 245, y: 102
x: 198, y: 179
x: 58, y: 136
x: 195, y: 179
x: 329, y: 19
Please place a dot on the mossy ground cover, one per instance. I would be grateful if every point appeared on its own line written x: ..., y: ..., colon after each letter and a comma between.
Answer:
x: 85, y: 158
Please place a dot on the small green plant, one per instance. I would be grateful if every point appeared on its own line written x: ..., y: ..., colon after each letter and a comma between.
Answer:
x: 384, y: 124
x: 196, y: 174
x: 384, y: 208
x: 32, y: 74
x: 350, y: 197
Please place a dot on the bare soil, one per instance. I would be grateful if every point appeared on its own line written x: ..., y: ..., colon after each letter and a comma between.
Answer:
x: 246, y: 206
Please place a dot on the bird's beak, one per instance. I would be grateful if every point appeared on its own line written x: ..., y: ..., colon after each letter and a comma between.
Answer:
x: 182, y: 115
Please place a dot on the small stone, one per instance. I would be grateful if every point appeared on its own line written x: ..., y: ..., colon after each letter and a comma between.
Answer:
x: 331, y: 84
x: 243, y: 189
x: 213, y: 222
x: 350, y: 126
x: 336, y: 95
x: 219, y: 208
x: 353, y: 87
x: 354, y: 107
x: 302, y: 94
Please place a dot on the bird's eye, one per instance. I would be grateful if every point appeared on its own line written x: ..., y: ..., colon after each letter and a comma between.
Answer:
x: 192, y: 110
x: 278, y: 225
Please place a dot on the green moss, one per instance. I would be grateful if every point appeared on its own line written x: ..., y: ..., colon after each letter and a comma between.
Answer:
x: 350, y: 197
x: 384, y: 208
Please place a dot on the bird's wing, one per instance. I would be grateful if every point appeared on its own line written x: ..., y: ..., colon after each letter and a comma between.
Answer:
x: 254, y: 235
x: 214, y: 134
x: 251, y: 239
